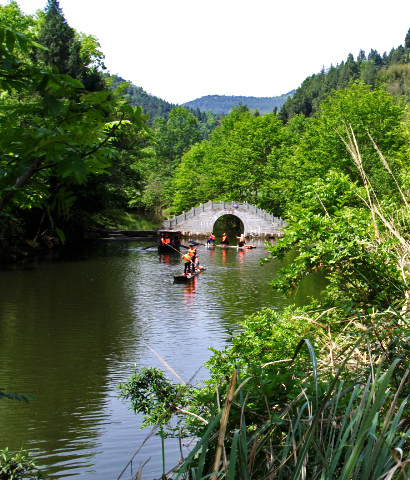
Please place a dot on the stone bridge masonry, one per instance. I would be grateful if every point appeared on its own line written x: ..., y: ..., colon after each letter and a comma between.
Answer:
x: 200, y: 220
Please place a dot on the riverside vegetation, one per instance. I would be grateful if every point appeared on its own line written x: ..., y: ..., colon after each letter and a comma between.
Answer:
x: 316, y: 393
x: 313, y: 393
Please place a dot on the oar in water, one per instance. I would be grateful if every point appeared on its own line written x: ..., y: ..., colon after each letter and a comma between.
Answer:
x: 145, y: 248
x: 178, y: 266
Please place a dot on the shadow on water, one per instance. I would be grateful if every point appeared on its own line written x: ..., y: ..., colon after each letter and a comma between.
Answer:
x: 71, y: 330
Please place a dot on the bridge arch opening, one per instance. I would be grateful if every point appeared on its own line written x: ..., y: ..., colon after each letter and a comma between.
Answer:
x: 229, y: 224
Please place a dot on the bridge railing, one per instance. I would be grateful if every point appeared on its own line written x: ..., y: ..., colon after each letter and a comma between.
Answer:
x: 206, y: 207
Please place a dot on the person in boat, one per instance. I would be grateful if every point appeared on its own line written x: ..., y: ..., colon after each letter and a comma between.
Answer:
x: 192, y: 254
x: 225, y: 239
x: 211, y: 238
x: 166, y: 240
x: 242, y: 240
x: 198, y: 267
x: 187, y: 265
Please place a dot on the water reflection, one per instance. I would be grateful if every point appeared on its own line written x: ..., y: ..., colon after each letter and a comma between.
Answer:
x: 70, y: 331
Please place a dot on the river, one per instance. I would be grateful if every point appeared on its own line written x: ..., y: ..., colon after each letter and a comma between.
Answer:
x: 72, y: 329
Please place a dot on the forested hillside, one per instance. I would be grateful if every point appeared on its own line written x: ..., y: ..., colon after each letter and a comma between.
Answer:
x: 154, y: 106
x: 76, y: 145
x: 157, y: 108
x: 223, y: 104
x: 143, y: 162
x: 390, y: 70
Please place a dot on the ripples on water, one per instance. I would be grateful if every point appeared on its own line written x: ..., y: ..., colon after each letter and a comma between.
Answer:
x: 71, y: 330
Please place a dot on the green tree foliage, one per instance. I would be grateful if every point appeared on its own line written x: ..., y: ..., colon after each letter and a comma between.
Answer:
x: 233, y: 164
x: 322, y: 148
x: 58, y: 135
x: 12, y: 17
x: 152, y: 105
x: 159, y: 108
x: 63, y: 49
x: 75, y: 55
x: 396, y: 79
x: 18, y: 466
x: 174, y: 137
x: 317, y: 87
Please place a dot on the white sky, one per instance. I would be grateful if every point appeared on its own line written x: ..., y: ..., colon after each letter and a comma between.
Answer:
x: 180, y: 50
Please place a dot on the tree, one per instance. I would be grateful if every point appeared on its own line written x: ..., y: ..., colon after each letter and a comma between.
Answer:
x: 12, y: 17
x: 321, y: 147
x: 368, y: 72
x: 361, y: 56
x: 55, y: 135
x: 175, y: 136
x: 234, y: 164
x: 63, y: 49
x: 407, y: 44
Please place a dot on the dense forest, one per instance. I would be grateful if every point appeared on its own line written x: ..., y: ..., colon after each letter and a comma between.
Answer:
x: 314, y: 392
x: 224, y: 104
x: 390, y: 70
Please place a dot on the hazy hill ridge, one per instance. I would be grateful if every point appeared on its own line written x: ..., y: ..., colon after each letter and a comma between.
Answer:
x: 223, y: 104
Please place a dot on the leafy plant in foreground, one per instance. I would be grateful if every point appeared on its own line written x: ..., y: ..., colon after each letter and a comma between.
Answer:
x: 16, y: 466
x: 355, y: 431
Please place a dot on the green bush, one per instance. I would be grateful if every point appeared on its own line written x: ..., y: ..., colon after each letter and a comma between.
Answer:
x: 16, y: 466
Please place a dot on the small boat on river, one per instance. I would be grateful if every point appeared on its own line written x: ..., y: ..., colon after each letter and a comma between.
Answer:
x: 189, y: 276
x: 169, y: 241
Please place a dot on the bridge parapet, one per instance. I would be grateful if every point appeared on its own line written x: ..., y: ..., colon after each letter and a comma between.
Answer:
x: 200, y: 220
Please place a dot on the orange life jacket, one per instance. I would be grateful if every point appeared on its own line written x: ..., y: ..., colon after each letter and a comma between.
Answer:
x: 192, y: 252
x: 212, y: 237
x: 187, y: 257
x: 168, y: 240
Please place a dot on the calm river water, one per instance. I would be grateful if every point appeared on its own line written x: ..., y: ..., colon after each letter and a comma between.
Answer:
x: 71, y: 330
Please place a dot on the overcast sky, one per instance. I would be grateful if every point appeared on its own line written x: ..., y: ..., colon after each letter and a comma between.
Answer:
x: 180, y: 50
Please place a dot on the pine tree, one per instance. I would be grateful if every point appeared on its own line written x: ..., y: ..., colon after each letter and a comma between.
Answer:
x: 63, y: 48
x: 407, y: 40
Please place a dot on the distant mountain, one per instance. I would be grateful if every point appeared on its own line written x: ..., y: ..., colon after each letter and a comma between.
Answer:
x: 156, y: 107
x: 220, y: 104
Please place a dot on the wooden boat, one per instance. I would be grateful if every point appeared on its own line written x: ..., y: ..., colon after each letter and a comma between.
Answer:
x: 169, y: 241
x: 190, y: 276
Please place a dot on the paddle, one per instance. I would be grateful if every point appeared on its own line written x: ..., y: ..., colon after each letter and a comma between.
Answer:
x: 178, y: 266
x: 145, y: 248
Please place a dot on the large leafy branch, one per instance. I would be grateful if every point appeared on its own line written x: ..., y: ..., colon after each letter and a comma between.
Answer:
x: 51, y: 127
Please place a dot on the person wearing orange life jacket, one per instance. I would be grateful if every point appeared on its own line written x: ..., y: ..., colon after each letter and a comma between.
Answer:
x: 187, y: 265
x: 211, y: 238
x: 242, y: 240
x: 225, y: 239
x: 192, y: 254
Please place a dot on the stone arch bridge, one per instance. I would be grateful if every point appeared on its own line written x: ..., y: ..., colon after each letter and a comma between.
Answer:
x: 200, y: 220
